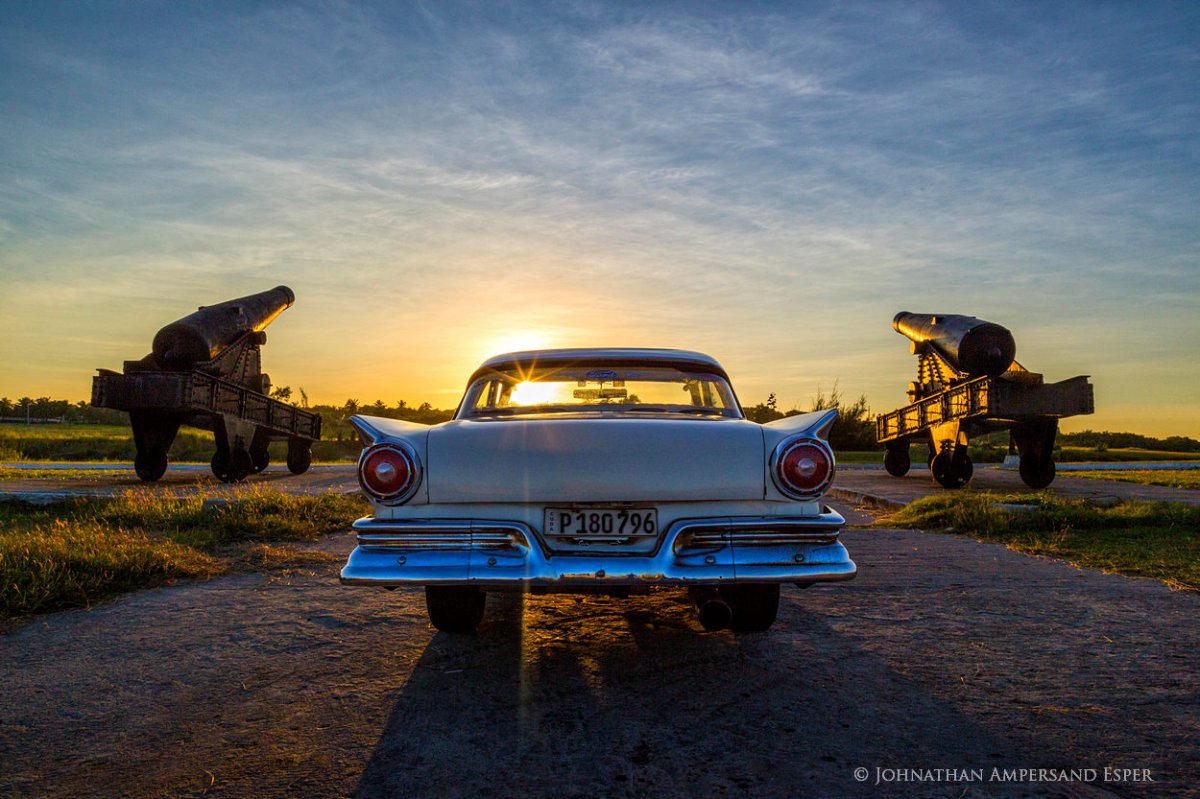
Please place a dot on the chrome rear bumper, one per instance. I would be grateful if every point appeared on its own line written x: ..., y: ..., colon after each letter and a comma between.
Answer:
x: 692, y: 552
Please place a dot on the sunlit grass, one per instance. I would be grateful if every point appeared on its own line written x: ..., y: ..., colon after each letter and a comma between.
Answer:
x: 81, y: 443
x: 64, y: 563
x: 9, y: 474
x: 1147, y: 539
x: 858, y: 457
x: 982, y: 452
x: 76, y: 552
x: 1172, y: 478
x: 1126, y: 455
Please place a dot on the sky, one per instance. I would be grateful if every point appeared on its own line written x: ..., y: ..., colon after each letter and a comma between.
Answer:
x: 769, y: 183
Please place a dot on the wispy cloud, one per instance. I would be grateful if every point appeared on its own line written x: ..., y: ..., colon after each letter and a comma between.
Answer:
x: 768, y: 182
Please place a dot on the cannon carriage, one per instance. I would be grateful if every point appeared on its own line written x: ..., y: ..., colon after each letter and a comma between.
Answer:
x: 968, y: 384
x: 205, y: 371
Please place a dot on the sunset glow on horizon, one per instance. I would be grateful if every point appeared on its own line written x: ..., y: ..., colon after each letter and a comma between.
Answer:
x: 768, y: 183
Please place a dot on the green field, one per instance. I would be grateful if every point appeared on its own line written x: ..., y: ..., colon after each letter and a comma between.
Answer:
x: 1093, y: 455
x: 985, y: 454
x: 1171, y: 478
x: 74, y: 553
x: 87, y: 474
x: 114, y: 443
x: 1144, y: 539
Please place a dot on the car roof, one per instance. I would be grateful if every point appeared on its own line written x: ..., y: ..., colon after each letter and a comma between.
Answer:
x: 685, y: 359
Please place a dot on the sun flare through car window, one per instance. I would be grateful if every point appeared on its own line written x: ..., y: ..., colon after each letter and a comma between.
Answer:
x: 607, y: 388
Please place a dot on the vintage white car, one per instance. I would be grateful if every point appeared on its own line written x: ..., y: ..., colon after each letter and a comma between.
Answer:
x: 599, y: 470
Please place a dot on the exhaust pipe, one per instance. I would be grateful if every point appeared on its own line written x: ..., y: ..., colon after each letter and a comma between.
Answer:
x: 715, y: 613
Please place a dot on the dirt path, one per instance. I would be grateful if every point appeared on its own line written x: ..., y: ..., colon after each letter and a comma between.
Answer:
x: 945, y: 653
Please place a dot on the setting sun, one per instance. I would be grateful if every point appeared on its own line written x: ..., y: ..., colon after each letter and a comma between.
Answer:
x: 533, y: 393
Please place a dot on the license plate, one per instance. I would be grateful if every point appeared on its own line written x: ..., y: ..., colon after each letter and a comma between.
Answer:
x: 601, y: 522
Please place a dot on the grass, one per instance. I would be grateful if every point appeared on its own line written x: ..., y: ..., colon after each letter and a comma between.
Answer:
x: 858, y: 457
x: 1145, y: 539
x: 1131, y: 455
x: 106, y: 443
x: 64, y: 564
x: 9, y: 474
x: 73, y: 553
x: 984, y: 452
x: 1172, y: 478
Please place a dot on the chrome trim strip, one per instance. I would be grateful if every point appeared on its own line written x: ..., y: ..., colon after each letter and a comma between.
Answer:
x: 442, y: 534
x: 756, y: 539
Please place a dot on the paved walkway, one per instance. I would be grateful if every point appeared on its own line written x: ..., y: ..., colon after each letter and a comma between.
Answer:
x: 944, y: 653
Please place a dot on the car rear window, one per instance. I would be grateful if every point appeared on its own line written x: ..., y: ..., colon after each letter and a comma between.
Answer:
x: 634, y: 389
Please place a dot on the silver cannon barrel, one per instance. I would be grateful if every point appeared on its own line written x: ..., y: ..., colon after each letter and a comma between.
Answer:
x: 970, y: 345
x: 203, y: 335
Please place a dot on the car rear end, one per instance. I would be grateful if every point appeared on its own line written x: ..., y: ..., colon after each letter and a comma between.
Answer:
x: 600, y: 501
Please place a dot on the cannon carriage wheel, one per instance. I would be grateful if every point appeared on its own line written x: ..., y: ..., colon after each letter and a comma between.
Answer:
x: 1035, y: 443
x: 896, y: 458
x: 260, y: 460
x: 232, y: 465
x: 260, y: 456
x: 949, y: 463
x: 1036, y: 472
x: 299, y: 456
x: 150, y: 465
x: 952, y: 468
x: 152, y: 437
x: 233, y: 462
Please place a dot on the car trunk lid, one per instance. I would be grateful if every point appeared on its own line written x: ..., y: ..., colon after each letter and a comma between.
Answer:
x: 595, y: 459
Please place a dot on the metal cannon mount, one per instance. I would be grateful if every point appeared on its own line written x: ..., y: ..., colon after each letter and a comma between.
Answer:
x: 205, y: 371
x: 969, y: 383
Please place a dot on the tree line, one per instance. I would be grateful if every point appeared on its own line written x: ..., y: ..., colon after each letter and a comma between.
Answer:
x: 44, y: 409
x: 854, y: 430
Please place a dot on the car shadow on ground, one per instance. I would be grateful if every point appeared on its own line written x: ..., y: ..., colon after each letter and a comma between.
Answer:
x: 590, y: 696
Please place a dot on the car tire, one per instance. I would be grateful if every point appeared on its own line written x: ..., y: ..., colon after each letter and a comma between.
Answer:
x: 754, y: 606
x: 455, y: 608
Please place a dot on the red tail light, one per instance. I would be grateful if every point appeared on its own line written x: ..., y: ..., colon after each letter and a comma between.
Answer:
x: 802, y: 467
x: 389, y: 473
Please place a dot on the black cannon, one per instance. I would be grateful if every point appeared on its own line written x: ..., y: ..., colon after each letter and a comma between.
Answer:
x: 205, y: 370
x: 969, y: 383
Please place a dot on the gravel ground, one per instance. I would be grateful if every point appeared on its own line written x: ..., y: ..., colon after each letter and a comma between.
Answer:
x: 945, y: 653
